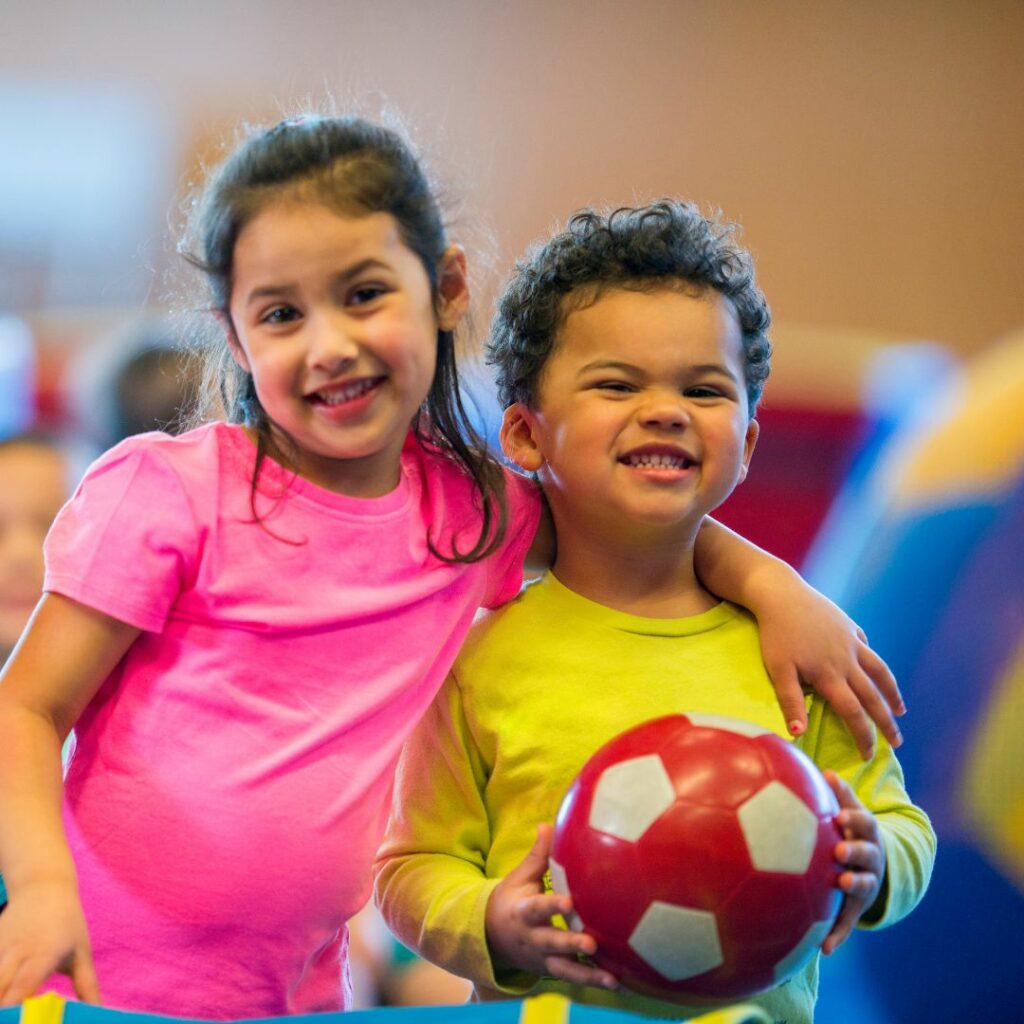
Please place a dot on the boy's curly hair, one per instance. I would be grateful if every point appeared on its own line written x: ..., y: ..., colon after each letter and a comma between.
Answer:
x: 667, y: 243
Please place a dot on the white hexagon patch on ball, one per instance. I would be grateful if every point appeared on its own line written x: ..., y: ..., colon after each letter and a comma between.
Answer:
x: 631, y: 796
x: 678, y: 942
x: 560, y: 885
x: 779, y: 828
x: 737, y: 725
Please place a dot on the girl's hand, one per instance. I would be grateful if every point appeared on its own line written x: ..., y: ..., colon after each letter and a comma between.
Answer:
x: 804, y: 636
x: 519, y: 929
x: 862, y: 857
x: 53, y: 937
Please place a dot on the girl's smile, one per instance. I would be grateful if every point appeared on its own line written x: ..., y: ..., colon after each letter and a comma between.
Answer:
x: 335, y: 318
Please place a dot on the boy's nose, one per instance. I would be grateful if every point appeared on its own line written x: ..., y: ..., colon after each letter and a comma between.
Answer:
x: 665, y: 411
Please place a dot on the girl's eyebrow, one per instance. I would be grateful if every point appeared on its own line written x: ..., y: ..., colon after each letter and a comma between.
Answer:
x: 268, y: 290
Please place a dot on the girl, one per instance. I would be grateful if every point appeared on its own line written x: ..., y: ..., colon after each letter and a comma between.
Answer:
x: 242, y: 624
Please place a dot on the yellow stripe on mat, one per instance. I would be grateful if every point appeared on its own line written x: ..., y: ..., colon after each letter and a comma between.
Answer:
x: 734, y: 1015
x: 550, y: 1008
x: 45, y: 1009
x: 547, y: 1008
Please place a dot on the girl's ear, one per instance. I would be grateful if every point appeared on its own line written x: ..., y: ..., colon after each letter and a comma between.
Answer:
x: 234, y: 345
x: 452, y: 288
x: 518, y: 438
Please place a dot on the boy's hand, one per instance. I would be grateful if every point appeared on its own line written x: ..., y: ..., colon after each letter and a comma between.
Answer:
x: 862, y: 857
x: 53, y: 937
x: 519, y: 929
x: 805, y: 636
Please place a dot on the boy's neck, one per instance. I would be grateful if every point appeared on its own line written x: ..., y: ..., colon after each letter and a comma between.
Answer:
x: 652, y: 579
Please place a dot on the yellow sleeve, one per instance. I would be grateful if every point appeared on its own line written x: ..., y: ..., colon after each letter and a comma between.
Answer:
x: 430, y: 878
x: 907, y: 833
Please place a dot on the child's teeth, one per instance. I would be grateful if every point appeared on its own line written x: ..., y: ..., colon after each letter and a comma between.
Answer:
x: 344, y: 394
x: 658, y: 461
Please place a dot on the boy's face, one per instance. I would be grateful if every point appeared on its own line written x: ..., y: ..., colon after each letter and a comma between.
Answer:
x: 641, y: 417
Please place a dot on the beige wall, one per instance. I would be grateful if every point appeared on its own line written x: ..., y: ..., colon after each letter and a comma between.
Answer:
x: 873, y: 150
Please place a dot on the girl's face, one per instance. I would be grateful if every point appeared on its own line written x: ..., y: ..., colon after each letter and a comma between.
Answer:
x: 334, y: 318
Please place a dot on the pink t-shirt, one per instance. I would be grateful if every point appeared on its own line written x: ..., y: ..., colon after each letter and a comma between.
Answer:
x: 231, y: 778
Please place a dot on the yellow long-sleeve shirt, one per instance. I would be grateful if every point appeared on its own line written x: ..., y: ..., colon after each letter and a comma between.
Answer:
x: 539, y: 686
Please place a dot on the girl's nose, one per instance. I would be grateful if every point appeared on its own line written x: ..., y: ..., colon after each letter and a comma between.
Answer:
x: 331, y: 344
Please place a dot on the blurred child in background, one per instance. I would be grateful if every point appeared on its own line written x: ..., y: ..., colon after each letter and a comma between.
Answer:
x: 33, y: 486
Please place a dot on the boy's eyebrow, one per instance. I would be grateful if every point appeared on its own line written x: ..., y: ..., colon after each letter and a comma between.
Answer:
x: 720, y: 368
x: 370, y: 263
x: 607, y: 364
x: 618, y: 364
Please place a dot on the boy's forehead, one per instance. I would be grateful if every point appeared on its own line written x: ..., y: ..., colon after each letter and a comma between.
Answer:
x: 586, y: 296
x: 611, y: 309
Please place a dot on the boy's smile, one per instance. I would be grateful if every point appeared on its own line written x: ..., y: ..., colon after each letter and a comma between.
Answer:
x: 641, y: 422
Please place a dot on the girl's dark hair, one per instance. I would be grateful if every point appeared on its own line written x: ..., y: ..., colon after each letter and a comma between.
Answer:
x: 667, y: 243
x: 355, y: 167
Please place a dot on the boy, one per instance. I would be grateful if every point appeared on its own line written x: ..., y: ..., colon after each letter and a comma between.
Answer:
x: 631, y: 352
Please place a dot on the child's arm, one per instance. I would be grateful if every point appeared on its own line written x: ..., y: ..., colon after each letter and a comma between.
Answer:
x: 803, y: 636
x: 436, y: 870
x: 861, y: 854
x: 520, y: 934
x: 888, y: 846
x: 63, y: 657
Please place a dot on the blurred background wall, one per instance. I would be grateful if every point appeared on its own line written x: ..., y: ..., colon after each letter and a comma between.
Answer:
x: 873, y: 151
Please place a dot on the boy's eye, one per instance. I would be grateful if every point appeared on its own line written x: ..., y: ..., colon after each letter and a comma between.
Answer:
x: 619, y: 386
x: 365, y: 293
x: 703, y: 391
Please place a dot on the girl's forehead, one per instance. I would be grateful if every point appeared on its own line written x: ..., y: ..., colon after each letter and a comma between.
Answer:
x: 305, y: 225
x: 294, y: 238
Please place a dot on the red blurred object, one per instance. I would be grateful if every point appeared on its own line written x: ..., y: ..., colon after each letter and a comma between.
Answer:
x: 698, y: 852
x: 801, y: 460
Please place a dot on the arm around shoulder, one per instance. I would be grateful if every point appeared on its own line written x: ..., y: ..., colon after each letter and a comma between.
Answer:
x: 804, y: 637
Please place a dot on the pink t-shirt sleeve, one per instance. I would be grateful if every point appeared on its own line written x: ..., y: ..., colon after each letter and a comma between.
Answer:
x: 505, y: 577
x: 126, y: 542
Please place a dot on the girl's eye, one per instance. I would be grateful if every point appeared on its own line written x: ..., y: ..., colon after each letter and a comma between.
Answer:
x: 280, y: 315
x: 616, y: 386
x: 703, y: 391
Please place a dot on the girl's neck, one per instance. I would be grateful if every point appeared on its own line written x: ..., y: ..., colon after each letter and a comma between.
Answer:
x: 654, y: 579
x: 354, y: 478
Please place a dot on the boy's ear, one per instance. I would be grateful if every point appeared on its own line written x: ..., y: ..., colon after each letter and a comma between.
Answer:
x: 517, y: 438
x: 749, y: 443
x: 237, y: 352
x: 452, y: 288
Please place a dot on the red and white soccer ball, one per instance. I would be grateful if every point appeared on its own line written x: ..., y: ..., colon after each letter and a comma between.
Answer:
x: 698, y: 851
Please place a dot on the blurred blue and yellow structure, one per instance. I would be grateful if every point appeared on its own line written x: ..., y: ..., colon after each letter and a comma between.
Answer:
x: 925, y: 549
